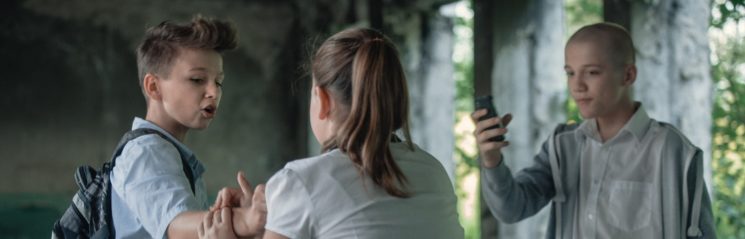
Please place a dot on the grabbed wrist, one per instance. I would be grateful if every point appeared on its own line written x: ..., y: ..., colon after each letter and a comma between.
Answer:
x: 240, y: 224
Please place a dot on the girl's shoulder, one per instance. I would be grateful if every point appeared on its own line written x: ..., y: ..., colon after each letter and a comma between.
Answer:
x: 326, y: 160
x: 318, y: 168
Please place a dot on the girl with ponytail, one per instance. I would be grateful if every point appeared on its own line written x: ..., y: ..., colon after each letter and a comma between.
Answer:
x: 368, y: 183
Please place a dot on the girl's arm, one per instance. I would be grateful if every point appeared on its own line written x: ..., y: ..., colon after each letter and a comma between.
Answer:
x: 185, y: 224
x: 272, y: 235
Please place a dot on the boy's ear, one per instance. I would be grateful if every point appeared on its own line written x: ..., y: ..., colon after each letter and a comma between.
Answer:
x: 325, y: 102
x: 629, y: 75
x: 150, y: 87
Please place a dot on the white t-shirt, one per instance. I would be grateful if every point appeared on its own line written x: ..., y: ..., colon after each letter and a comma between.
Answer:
x: 325, y: 197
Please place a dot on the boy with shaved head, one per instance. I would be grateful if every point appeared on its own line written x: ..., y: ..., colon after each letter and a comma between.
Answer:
x: 618, y: 174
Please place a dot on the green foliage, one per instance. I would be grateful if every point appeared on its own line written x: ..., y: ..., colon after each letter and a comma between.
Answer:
x: 466, y: 172
x: 578, y: 14
x: 728, y: 146
x: 582, y: 12
x: 463, y: 64
x: 727, y: 10
x: 464, y: 86
x: 572, y: 110
x: 729, y: 142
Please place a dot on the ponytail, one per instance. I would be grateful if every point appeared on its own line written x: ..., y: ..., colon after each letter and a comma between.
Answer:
x: 362, y: 67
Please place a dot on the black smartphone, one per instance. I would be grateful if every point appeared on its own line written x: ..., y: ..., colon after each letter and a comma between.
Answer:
x: 485, y: 102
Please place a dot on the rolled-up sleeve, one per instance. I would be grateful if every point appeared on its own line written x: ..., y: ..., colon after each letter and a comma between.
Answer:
x: 154, y: 187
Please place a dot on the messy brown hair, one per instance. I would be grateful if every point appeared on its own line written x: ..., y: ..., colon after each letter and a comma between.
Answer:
x: 161, y: 43
x: 362, y: 71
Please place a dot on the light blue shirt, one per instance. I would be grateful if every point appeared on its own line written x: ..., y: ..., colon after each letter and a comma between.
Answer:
x: 149, y: 187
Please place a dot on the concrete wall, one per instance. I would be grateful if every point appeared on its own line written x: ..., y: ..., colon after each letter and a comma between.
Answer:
x: 71, y: 82
x: 71, y: 74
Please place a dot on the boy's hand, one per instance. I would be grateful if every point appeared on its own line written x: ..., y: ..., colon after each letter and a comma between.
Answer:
x: 217, y: 224
x: 248, y: 207
x: 234, y: 197
x: 249, y: 221
x: 490, y: 151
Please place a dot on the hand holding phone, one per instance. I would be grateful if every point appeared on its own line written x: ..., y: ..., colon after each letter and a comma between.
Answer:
x: 485, y: 102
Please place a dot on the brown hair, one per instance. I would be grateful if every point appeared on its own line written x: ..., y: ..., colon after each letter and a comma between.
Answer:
x: 614, y: 37
x: 361, y: 70
x: 160, y: 44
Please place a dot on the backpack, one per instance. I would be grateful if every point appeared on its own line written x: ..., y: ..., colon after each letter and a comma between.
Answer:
x: 89, y: 214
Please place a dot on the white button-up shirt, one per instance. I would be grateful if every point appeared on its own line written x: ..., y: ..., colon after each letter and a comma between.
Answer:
x: 618, y: 182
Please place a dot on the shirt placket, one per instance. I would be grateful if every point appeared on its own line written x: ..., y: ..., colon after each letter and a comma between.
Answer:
x: 598, y: 178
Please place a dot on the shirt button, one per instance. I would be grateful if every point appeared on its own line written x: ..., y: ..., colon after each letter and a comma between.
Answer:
x: 589, y: 216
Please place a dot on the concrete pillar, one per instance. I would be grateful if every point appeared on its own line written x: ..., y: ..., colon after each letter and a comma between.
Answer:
x: 674, y: 73
x: 528, y: 81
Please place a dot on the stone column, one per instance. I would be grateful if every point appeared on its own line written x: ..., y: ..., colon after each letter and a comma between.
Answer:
x: 432, y: 94
x: 528, y: 81
x: 674, y: 74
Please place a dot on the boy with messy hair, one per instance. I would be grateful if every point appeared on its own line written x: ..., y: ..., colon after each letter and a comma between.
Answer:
x: 618, y: 174
x: 157, y: 186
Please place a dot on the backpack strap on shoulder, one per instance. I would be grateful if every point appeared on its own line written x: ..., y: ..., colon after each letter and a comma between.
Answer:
x: 129, y: 136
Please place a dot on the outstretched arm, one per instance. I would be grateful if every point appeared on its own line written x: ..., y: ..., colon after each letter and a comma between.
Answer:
x: 490, y: 151
x: 509, y: 198
x: 273, y: 235
x: 185, y: 224
x: 246, y: 221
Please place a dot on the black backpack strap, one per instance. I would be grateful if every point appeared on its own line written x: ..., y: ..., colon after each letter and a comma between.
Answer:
x: 129, y: 136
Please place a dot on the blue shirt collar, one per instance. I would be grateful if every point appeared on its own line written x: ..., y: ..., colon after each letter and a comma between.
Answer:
x: 196, y: 166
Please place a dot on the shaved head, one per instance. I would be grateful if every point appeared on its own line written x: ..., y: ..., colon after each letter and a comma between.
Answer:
x: 612, y: 38
x: 599, y: 63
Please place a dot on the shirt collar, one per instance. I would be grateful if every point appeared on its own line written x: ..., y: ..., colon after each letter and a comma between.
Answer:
x: 197, y: 167
x: 588, y: 128
x: 637, y: 125
x: 639, y: 122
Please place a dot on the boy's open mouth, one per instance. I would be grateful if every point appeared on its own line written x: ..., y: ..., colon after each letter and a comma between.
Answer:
x: 209, y: 109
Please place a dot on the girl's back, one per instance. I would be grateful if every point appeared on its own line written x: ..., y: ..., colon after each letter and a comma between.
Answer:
x: 327, y: 197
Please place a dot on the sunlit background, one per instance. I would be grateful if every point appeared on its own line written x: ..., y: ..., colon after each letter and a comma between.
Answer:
x: 727, y: 39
